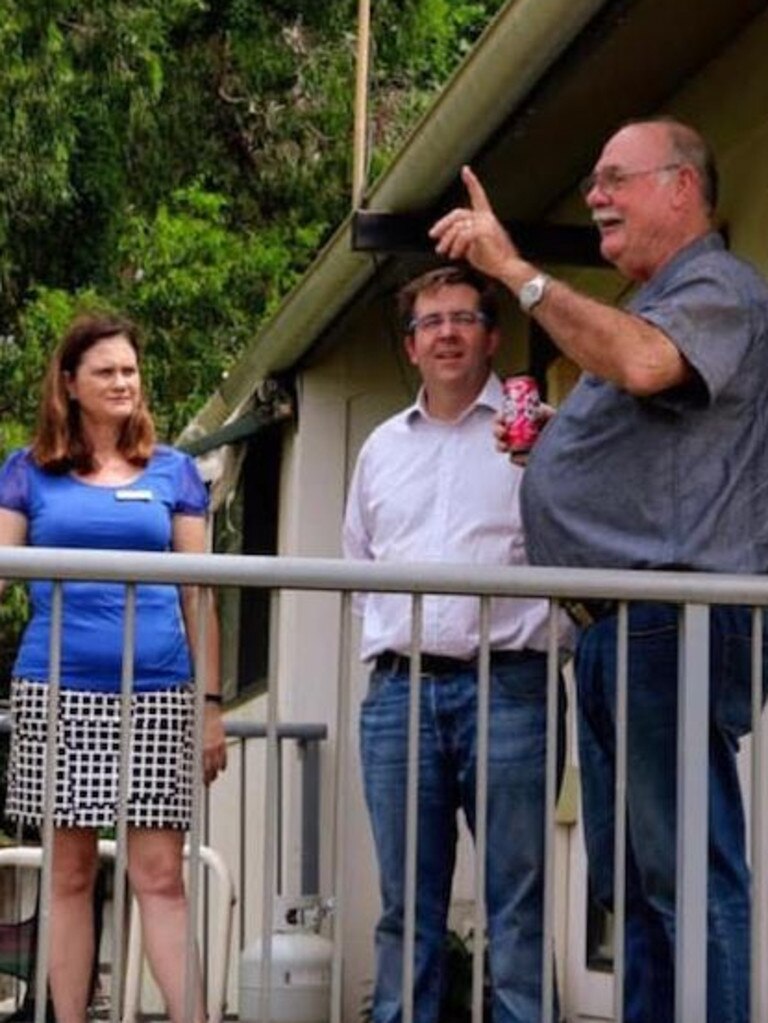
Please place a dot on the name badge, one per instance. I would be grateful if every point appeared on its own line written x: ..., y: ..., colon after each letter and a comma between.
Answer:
x: 133, y: 495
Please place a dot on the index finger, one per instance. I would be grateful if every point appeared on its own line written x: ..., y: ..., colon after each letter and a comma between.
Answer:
x: 477, y: 194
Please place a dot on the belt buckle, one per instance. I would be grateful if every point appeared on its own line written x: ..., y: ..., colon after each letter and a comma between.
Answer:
x: 579, y: 613
x: 586, y: 612
x: 401, y: 664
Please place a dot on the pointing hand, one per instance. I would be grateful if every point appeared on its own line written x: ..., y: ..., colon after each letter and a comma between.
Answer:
x: 475, y: 233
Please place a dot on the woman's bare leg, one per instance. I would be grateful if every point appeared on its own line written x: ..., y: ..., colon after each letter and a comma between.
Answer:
x: 70, y: 958
x: 155, y: 862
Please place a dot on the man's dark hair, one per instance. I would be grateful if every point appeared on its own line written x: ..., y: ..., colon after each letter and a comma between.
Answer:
x: 448, y: 277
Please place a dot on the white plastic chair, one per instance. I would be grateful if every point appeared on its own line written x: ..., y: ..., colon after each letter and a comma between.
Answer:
x: 32, y: 857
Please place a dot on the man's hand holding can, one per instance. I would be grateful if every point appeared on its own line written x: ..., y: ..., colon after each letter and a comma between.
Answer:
x: 522, y: 418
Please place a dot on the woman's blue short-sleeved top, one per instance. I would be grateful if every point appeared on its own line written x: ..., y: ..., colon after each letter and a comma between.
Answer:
x: 63, y: 511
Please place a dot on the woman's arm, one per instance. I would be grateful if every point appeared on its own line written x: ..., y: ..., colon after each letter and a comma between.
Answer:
x: 189, y: 538
x: 13, y: 532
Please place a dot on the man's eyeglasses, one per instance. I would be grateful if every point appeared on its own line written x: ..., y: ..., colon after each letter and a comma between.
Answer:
x: 432, y: 322
x: 613, y: 179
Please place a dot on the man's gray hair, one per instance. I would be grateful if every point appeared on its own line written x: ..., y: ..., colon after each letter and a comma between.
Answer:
x: 689, y: 146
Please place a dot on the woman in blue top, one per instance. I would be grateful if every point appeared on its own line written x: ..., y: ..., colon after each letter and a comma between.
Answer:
x: 95, y: 478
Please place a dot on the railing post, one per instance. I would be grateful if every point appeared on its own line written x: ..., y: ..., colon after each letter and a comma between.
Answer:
x: 759, y: 846
x: 46, y: 879
x: 620, y: 812
x: 340, y: 804
x: 481, y: 807
x: 310, y: 816
x: 269, y: 880
x: 412, y: 810
x: 192, y: 993
x: 121, y: 897
x: 692, y: 814
x: 550, y: 801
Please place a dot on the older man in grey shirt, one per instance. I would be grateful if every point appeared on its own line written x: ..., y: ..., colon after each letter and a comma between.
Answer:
x: 685, y: 469
x: 658, y: 459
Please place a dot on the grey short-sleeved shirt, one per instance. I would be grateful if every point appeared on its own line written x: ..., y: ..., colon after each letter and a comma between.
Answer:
x: 681, y: 478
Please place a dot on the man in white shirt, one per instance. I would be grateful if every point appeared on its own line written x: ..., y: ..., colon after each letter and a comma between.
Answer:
x: 429, y: 485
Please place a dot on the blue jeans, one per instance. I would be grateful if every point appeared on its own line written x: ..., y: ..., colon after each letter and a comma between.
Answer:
x: 651, y: 802
x: 515, y: 838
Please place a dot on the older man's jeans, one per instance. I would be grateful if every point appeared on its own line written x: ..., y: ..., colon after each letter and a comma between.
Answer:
x: 651, y: 802
x: 515, y: 837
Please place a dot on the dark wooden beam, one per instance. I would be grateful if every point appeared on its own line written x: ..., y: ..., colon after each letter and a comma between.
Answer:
x: 564, y: 244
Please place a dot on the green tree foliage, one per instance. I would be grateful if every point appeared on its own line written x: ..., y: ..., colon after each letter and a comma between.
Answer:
x: 190, y: 275
x: 182, y: 161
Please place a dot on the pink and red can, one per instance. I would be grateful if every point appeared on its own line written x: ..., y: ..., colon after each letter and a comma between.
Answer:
x: 521, y: 413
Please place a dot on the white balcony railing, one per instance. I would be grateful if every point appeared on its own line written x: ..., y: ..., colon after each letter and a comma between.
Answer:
x: 692, y: 592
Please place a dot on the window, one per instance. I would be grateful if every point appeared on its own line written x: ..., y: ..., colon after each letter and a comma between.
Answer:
x: 247, y: 524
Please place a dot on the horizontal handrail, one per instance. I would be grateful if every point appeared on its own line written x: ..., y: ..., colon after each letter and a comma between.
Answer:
x: 415, y: 577
x: 240, y: 729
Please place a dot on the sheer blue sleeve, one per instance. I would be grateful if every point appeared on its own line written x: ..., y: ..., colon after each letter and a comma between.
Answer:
x: 14, y: 482
x: 191, y: 494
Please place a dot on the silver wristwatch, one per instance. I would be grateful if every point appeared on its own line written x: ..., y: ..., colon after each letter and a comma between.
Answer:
x: 532, y: 292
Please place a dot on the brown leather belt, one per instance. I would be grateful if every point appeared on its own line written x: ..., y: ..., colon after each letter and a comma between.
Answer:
x: 437, y: 664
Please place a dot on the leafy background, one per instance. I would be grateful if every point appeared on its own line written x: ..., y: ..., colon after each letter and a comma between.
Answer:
x: 183, y: 161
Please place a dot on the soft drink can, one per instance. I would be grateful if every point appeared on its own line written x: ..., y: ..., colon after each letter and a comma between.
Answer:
x: 521, y: 413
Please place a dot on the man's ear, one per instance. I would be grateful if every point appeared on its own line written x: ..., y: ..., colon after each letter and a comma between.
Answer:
x: 687, y: 187
x: 410, y: 349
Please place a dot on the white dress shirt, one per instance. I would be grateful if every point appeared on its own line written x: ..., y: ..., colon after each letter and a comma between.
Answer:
x: 428, y: 490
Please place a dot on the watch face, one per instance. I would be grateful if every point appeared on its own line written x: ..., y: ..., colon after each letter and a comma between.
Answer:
x: 532, y: 292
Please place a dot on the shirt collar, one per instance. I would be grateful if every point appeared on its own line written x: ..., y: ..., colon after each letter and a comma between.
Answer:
x: 490, y: 397
x: 712, y: 241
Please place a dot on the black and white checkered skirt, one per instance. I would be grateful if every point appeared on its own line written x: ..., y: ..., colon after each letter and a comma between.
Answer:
x: 88, y: 757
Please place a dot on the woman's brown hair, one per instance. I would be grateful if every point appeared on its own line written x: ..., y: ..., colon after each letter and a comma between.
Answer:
x: 59, y: 444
